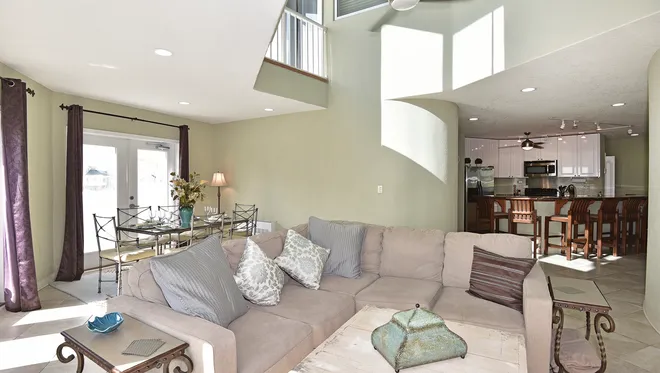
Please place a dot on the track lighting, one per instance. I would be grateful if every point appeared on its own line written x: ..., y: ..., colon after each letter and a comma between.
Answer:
x: 575, y: 124
x: 598, y: 128
x: 629, y: 131
x: 563, y: 124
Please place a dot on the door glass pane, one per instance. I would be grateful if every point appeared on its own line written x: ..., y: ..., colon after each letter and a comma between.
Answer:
x: 99, y: 190
x: 153, y: 179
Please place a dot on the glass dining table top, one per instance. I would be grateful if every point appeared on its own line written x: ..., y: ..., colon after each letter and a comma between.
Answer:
x: 156, y: 228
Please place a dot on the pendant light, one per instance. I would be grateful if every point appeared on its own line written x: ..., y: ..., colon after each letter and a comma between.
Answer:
x: 527, y: 144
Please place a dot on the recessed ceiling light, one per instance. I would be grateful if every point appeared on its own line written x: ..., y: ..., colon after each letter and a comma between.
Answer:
x: 102, y: 65
x: 474, y: 119
x: 634, y: 134
x: 619, y: 104
x: 163, y: 52
x: 527, y: 90
x: 184, y: 103
x: 268, y: 109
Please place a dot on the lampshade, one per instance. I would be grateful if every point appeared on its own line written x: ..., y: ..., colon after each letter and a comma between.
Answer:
x: 218, y: 180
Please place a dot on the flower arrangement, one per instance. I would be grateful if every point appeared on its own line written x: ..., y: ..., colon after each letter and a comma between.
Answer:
x: 187, y: 192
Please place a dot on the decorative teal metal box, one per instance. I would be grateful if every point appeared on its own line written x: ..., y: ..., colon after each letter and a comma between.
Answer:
x: 417, y: 337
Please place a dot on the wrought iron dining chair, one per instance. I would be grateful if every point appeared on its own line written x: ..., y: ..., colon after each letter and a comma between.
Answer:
x: 121, y: 253
x: 243, y: 220
x: 133, y: 216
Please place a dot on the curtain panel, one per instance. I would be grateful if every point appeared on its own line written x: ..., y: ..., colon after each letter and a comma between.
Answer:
x: 20, y: 289
x: 184, y: 160
x: 72, y: 264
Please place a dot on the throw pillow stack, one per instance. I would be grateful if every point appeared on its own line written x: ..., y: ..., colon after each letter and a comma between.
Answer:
x: 199, y: 281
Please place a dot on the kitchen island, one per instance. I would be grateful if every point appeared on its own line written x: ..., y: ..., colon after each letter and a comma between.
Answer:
x: 544, y: 206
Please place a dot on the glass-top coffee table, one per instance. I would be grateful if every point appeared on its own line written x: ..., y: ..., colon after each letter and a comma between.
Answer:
x: 585, y: 296
x: 106, y: 349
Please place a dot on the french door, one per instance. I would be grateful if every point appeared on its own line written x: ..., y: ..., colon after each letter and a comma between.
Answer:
x: 120, y: 172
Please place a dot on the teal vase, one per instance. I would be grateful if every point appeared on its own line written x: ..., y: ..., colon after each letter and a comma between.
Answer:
x: 186, y: 214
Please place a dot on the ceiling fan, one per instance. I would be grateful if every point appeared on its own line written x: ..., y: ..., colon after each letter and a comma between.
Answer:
x: 527, y: 144
x: 397, y: 6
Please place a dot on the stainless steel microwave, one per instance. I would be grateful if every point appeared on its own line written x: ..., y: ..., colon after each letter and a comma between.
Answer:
x: 540, y: 168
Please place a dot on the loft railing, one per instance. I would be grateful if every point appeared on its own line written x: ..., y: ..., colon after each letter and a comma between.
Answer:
x: 299, y: 42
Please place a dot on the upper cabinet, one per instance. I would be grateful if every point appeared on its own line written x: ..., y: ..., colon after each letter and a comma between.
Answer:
x: 579, y: 156
x: 510, y: 159
x: 486, y: 150
x: 548, y: 153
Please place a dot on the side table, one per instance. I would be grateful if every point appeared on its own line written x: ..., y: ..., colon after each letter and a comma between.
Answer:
x: 585, y: 296
x: 106, y: 349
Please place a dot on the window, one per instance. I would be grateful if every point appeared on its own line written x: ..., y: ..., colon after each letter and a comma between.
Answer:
x: 347, y: 7
x: 312, y: 9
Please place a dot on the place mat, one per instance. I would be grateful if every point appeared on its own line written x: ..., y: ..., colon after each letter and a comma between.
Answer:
x: 143, y: 347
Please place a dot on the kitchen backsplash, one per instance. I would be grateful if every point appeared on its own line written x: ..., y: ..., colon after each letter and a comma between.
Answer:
x: 583, y: 186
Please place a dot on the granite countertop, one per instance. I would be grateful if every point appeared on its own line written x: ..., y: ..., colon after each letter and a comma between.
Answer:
x: 554, y: 198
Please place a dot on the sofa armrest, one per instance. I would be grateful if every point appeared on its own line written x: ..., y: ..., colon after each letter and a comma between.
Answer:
x: 537, y: 312
x: 212, y: 347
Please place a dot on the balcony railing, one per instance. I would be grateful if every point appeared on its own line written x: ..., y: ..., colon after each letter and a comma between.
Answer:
x: 299, y: 42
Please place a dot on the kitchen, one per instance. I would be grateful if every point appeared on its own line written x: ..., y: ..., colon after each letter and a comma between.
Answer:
x: 551, y: 171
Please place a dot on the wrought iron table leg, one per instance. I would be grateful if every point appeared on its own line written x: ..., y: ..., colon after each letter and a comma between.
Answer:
x: 558, y: 318
x: 588, y: 325
x: 64, y: 360
x: 609, y: 328
x: 186, y: 361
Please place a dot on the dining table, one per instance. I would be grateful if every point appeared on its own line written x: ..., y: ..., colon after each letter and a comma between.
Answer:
x: 158, y: 229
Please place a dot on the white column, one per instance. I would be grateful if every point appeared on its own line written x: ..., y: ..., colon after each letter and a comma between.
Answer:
x: 652, y: 299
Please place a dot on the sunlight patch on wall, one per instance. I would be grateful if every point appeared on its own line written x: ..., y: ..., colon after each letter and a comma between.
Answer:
x: 417, y: 134
x: 411, y: 62
x: 479, y: 49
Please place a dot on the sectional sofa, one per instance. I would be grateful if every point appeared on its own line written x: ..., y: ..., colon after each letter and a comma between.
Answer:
x: 400, y: 267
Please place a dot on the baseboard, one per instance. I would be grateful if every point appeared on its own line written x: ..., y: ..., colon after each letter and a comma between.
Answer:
x: 46, y: 281
x: 657, y: 330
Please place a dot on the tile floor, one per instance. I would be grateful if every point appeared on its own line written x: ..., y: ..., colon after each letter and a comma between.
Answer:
x: 28, y: 341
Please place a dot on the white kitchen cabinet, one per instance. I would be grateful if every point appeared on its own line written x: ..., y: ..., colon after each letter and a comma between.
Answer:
x: 485, y: 149
x: 588, y: 150
x: 511, y: 159
x: 579, y: 157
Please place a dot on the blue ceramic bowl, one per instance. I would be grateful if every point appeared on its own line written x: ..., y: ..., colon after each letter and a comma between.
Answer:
x: 105, y: 324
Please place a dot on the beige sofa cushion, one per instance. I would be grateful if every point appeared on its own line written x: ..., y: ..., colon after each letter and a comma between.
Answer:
x: 412, y: 253
x: 399, y: 293
x: 457, y: 305
x: 343, y: 285
x: 269, y: 343
x: 372, y: 249
x: 139, y: 282
x: 324, y: 311
x: 271, y: 243
x: 459, y: 248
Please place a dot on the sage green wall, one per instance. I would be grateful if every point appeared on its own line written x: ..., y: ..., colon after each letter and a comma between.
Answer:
x: 329, y: 162
x: 47, y: 154
x: 632, y: 163
x: 652, y: 298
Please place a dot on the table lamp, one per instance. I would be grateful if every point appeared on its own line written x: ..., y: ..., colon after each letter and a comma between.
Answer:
x: 219, y: 181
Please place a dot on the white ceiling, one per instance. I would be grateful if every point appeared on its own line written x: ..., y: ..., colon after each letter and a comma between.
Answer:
x: 218, y: 48
x: 579, y: 82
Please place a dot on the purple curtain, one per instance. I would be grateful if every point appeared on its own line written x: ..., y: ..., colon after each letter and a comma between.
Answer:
x: 72, y: 264
x: 184, y: 161
x: 21, y: 292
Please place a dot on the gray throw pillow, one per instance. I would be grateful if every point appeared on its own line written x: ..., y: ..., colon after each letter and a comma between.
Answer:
x: 199, y: 282
x: 344, y: 242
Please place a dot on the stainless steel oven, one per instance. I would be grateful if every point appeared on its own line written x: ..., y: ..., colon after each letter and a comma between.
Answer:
x: 540, y: 168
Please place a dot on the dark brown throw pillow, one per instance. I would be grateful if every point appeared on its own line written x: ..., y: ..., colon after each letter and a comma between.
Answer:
x: 498, y: 278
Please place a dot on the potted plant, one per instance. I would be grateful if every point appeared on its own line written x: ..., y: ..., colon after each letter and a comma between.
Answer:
x: 187, y: 193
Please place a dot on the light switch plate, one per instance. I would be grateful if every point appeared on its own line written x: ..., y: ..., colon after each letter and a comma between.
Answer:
x: 380, y: 189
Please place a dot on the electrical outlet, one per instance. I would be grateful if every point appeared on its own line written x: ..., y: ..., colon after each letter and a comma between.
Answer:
x: 380, y: 189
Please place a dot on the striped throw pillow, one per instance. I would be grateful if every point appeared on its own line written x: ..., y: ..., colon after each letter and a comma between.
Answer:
x: 498, y: 278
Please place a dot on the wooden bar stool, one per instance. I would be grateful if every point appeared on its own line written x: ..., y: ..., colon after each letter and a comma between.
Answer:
x: 499, y: 215
x: 557, y: 218
x: 607, y: 214
x: 644, y: 224
x: 631, y: 216
x: 484, y: 223
x: 578, y: 215
x: 522, y: 212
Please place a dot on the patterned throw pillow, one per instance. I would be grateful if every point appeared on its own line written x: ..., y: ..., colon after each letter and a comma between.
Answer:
x: 498, y: 278
x: 258, y: 277
x: 302, y: 260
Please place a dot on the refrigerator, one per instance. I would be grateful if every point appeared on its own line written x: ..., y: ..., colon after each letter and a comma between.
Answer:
x: 479, y: 181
